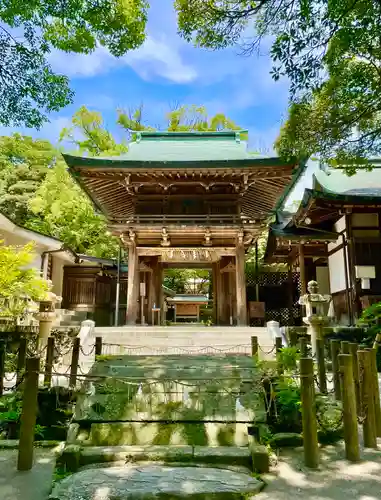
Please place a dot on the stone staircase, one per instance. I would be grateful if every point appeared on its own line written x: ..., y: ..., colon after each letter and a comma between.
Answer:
x: 68, y: 318
x: 187, y: 339
x: 169, y: 408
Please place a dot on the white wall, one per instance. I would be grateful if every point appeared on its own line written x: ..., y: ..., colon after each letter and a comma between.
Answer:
x: 322, y: 277
x: 57, y: 275
x: 337, y: 271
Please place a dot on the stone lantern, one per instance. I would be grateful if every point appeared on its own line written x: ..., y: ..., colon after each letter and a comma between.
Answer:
x: 47, y: 315
x: 316, y: 306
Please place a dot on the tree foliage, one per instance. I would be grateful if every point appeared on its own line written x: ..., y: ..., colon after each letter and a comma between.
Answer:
x: 29, y: 30
x: 24, y: 163
x: 187, y: 280
x: 89, y: 135
x: 329, y: 51
x: 18, y: 281
x: 61, y: 209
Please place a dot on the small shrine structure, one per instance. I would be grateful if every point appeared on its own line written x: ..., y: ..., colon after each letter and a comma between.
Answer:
x: 186, y: 199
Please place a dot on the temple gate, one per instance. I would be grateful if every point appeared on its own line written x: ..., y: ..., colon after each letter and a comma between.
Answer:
x: 186, y: 199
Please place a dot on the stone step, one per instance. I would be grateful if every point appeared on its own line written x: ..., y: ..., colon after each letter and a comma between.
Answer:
x: 147, y: 482
x: 87, y: 455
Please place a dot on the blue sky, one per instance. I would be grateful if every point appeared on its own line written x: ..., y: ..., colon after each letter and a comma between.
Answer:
x: 166, y: 71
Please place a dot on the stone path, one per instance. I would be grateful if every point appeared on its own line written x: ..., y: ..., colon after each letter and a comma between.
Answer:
x: 31, y: 485
x: 337, y: 479
x: 155, y: 481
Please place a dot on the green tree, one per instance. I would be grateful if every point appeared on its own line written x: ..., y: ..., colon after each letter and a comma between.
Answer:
x: 187, y: 280
x: 88, y: 134
x: 18, y: 281
x: 330, y: 52
x: 24, y: 163
x: 62, y: 210
x: 29, y: 30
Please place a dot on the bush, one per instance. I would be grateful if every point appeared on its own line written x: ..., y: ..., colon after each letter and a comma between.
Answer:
x: 53, y: 417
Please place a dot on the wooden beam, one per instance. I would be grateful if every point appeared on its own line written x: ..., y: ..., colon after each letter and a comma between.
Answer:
x: 241, y: 285
x: 133, y: 285
x: 302, y: 269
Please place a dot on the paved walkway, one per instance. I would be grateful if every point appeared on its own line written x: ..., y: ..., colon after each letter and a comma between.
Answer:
x: 31, y: 485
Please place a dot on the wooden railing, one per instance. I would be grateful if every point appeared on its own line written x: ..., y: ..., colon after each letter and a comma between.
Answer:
x: 208, y: 219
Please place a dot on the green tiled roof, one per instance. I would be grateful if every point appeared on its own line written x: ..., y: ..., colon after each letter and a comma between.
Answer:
x: 362, y: 183
x: 189, y: 298
x: 180, y: 147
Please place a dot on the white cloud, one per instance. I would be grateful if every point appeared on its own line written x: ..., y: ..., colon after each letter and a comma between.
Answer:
x: 156, y: 57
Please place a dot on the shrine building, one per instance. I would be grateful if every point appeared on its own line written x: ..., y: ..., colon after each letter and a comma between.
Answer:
x: 334, y: 237
x: 186, y: 199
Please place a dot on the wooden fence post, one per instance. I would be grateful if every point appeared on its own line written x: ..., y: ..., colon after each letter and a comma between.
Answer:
x: 367, y: 399
x: 278, y: 347
x: 74, y: 362
x: 254, y: 346
x: 376, y: 390
x: 307, y: 390
x: 320, y: 358
x: 3, y: 345
x: 21, y: 360
x: 351, y: 434
x: 293, y: 337
x: 28, y: 414
x: 345, y: 347
x: 335, y: 351
x: 98, y: 346
x: 303, y: 347
x: 353, y: 347
x: 49, y: 362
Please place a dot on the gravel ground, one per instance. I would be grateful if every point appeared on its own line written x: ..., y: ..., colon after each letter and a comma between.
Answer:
x: 336, y: 479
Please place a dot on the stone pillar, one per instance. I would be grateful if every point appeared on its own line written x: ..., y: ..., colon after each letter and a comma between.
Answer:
x: 133, y: 285
x: 241, y: 285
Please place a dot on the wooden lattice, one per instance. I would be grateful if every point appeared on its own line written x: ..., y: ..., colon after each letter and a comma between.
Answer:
x: 279, y: 295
